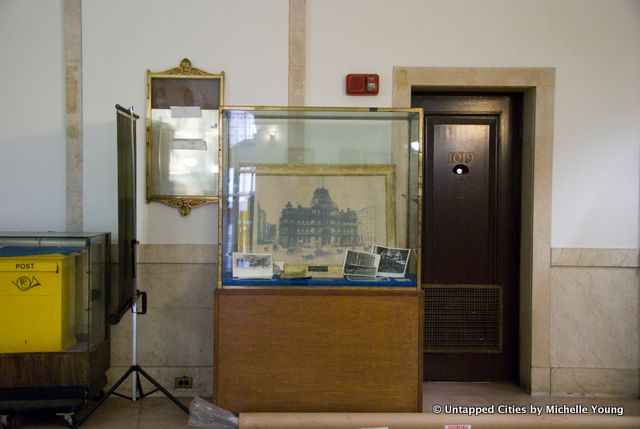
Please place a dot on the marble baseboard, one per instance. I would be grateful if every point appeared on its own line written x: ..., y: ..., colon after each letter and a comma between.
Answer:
x: 202, y: 380
x: 614, y: 258
x: 592, y: 382
x: 540, y: 382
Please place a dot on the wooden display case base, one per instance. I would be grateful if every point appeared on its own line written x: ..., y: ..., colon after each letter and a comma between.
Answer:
x: 53, y: 370
x: 325, y: 350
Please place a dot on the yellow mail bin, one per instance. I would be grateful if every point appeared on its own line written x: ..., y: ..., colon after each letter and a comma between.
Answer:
x: 36, y: 299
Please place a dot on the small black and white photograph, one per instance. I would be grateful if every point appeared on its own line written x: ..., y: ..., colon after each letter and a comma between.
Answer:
x: 252, y: 265
x: 393, y: 261
x: 360, y: 263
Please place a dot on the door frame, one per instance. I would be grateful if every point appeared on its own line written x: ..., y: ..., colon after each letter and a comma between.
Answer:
x: 538, y: 87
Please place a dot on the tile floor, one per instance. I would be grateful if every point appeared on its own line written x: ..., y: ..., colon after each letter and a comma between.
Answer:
x: 161, y: 413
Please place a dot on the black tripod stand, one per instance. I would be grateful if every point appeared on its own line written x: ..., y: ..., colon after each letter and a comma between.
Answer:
x: 135, y: 370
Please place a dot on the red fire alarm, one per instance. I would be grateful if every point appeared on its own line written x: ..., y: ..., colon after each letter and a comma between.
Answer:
x: 363, y: 84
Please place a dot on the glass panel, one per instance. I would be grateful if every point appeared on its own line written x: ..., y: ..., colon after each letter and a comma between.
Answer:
x: 311, y: 137
x: 305, y: 186
x: 98, y: 281
x: 186, y: 160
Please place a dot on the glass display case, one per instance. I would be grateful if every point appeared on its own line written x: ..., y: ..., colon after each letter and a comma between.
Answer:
x: 320, y: 197
x: 53, y: 291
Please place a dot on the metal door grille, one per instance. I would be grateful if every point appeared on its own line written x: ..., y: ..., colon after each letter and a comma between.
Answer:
x: 463, y: 318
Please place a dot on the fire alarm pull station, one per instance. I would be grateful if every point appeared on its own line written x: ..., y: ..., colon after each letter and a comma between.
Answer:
x: 363, y: 84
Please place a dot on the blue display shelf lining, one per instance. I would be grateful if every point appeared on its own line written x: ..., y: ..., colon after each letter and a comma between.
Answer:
x: 228, y: 280
x: 13, y: 251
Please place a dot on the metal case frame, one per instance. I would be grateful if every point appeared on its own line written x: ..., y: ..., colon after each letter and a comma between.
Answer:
x: 417, y: 117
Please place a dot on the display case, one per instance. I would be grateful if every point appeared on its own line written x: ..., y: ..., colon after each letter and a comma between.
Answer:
x: 54, y: 290
x: 309, y: 194
x: 318, y: 307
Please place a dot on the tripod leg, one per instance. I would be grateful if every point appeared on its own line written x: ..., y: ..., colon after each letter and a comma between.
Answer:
x: 140, y: 392
x: 118, y: 383
x: 104, y: 397
x: 163, y: 390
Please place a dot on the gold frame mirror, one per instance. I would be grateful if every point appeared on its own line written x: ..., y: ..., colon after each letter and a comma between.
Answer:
x: 182, y: 136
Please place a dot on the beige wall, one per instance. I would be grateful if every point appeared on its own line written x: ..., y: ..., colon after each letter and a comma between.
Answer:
x: 121, y: 39
x: 594, y: 46
x: 32, y: 111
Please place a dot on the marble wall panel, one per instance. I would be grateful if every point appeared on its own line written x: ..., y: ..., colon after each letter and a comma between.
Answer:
x: 595, y: 318
x: 184, y: 286
x: 178, y: 254
x: 169, y: 337
x: 74, y: 122
x: 175, y: 337
x: 595, y: 382
x: 297, y: 70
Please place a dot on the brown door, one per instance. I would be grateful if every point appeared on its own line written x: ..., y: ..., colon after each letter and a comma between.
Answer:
x: 471, y: 236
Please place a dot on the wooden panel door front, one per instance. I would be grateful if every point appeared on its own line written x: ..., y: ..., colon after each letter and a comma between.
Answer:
x: 471, y: 236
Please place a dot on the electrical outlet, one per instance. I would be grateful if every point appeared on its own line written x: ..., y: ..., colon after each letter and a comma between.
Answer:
x: 185, y: 382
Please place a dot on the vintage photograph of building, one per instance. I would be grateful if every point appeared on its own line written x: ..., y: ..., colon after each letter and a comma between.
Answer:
x: 313, y: 219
